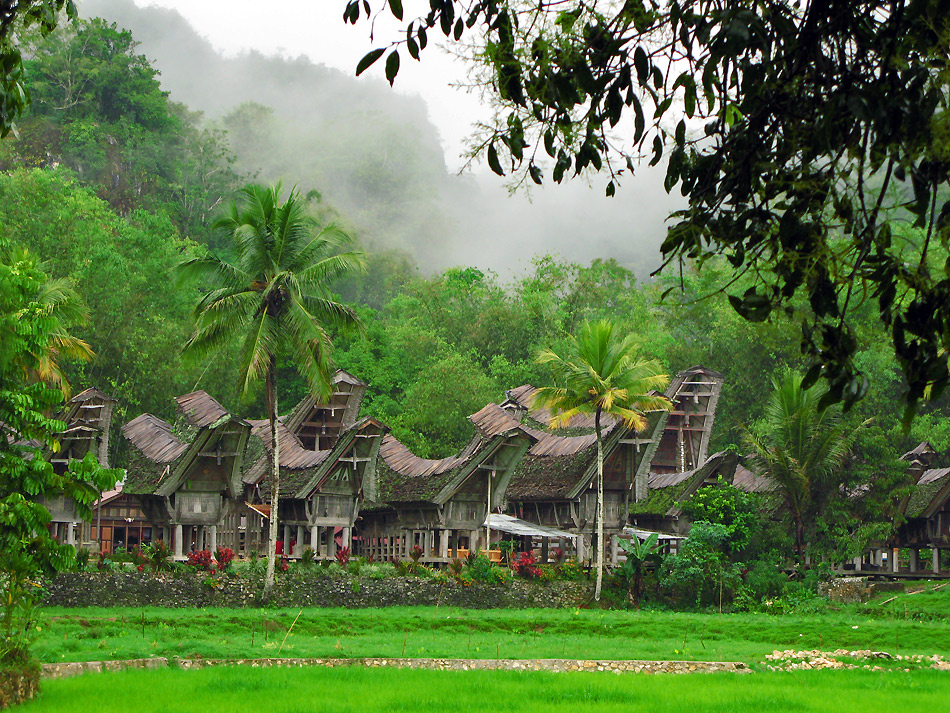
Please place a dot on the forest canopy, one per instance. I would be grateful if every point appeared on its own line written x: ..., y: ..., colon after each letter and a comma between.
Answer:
x: 799, y: 132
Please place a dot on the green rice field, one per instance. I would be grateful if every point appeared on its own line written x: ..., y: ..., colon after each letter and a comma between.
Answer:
x: 95, y: 634
x: 360, y: 690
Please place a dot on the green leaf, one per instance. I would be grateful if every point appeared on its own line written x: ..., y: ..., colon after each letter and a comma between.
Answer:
x: 396, y: 7
x: 392, y: 67
x: 368, y: 60
x: 493, y: 162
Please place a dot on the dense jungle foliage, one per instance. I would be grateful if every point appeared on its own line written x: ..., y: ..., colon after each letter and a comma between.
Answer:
x: 112, y: 184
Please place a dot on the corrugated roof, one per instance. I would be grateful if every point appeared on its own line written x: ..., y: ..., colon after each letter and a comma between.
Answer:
x: 668, y: 480
x: 403, y: 461
x: 91, y: 393
x: 292, y: 453
x: 933, y: 475
x: 747, y: 481
x: 493, y: 420
x: 200, y: 408
x: 153, y: 438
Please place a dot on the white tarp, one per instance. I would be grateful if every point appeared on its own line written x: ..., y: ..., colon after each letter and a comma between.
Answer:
x: 514, y: 526
x: 644, y: 534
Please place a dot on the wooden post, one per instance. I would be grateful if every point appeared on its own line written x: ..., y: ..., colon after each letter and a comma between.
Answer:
x: 213, y: 538
x: 348, y: 538
x: 179, y: 537
x: 895, y: 559
x: 544, y: 550
x: 914, y: 559
x: 301, y: 536
x: 935, y: 555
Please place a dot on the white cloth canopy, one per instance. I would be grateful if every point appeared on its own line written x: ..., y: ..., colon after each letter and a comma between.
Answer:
x: 514, y: 526
x: 644, y: 534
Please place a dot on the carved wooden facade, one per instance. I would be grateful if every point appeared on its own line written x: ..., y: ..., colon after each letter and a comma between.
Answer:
x: 189, y: 489
x: 88, y: 417
x: 440, y: 506
x: 328, y: 462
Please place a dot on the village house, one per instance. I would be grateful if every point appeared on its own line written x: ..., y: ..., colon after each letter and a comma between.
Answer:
x: 328, y: 461
x: 188, y: 481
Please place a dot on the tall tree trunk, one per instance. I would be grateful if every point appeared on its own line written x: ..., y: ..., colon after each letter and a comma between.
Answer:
x: 274, y: 474
x: 600, y: 509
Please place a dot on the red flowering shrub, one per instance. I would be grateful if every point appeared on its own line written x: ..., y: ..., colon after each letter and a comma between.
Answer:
x: 201, y: 560
x: 343, y: 556
x: 526, y: 566
x: 284, y: 564
x: 224, y: 557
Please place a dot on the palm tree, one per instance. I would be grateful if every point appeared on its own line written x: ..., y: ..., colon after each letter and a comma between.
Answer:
x: 802, y: 447
x: 600, y: 373
x: 274, y: 299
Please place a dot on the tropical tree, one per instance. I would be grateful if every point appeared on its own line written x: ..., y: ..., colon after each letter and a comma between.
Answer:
x: 274, y: 300
x: 802, y: 448
x: 27, y: 549
x: 57, y: 300
x: 600, y: 373
x: 639, y: 554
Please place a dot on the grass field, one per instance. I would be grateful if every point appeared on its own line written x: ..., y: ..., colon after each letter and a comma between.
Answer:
x: 359, y: 690
x: 96, y: 634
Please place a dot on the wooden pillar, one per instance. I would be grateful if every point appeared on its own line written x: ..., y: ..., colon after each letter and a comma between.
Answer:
x: 179, y: 537
x: 895, y: 559
x: 544, y: 550
x: 935, y: 556
x: 914, y: 559
x: 348, y: 538
x: 70, y: 534
x: 444, y: 544
x: 213, y: 538
x: 301, y: 535
x: 579, y: 548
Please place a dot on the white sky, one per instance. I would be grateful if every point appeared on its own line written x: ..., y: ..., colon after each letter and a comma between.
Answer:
x: 315, y: 29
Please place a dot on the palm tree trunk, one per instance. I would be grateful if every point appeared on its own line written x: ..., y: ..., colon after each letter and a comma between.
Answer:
x: 600, y: 509
x: 275, y: 475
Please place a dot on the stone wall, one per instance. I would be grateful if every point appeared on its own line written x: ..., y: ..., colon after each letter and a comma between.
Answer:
x: 136, y: 589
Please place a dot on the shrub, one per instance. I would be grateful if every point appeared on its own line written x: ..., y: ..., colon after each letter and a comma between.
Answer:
x: 158, y: 556
x: 570, y: 570
x: 224, y: 556
x: 82, y: 559
x: 342, y: 556
x: 482, y: 570
x: 201, y: 560
x: 308, y: 556
x: 526, y: 565
x: 701, y: 572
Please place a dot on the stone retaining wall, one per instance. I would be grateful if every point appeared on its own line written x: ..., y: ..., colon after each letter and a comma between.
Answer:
x: 136, y: 589
x: 64, y: 670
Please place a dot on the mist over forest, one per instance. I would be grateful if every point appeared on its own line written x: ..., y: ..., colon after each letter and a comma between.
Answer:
x: 375, y: 156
